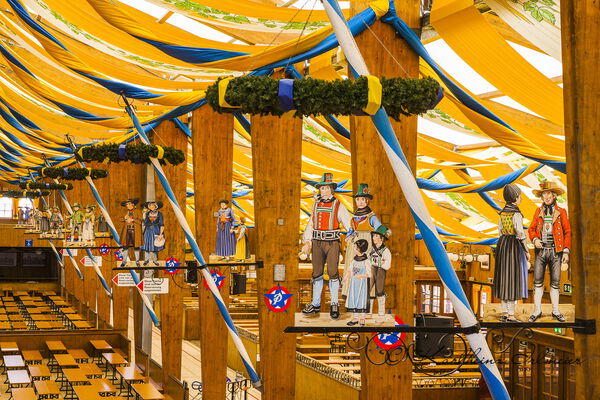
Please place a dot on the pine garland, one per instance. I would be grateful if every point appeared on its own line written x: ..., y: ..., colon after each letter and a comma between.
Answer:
x: 48, y: 186
x: 73, y: 174
x: 17, y: 194
x: 136, y: 153
x: 313, y: 97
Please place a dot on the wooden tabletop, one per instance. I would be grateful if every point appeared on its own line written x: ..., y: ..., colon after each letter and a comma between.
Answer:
x: 103, y: 386
x: 24, y: 394
x: 114, y: 358
x: 78, y: 354
x: 69, y: 310
x: 55, y: 345
x: 18, y: 377
x: 147, y: 391
x: 46, y: 388
x: 82, y: 325
x: 88, y: 393
x: 130, y: 374
x: 8, y: 347
x: 75, y: 375
x: 15, y: 361
x: 65, y: 360
x: 74, y: 317
x: 39, y: 371
x: 91, y: 370
x: 100, y: 345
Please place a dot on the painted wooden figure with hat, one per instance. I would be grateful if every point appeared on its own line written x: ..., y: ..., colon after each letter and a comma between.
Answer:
x: 550, y: 232
x: 226, y: 240
x: 88, y: 226
x: 322, y: 239
x: 381, y: 261
x: 76, y: 222
x: 130, y: 232
x: 153, y: 230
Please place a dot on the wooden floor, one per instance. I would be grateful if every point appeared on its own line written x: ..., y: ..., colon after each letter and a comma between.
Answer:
x: 190, y: 366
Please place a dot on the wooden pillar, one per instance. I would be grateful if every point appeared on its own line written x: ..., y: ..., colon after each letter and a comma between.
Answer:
x: 276, y: 165
x: 370, y: 165
x: 171, y: 310
x: 212, y: 144
x: 581, y: 56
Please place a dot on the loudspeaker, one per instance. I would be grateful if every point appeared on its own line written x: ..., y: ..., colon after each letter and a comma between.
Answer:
x: 191, y: 274
x: 239, y: 283
x: 434, y: 344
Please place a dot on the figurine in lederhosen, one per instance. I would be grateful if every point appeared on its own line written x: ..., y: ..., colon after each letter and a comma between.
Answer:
x: 322, y: 236
x: 131, y: 232
x: 381, y: 262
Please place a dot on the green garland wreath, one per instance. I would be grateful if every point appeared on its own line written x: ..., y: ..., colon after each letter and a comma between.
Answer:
x: 47, y: 186
x: 136, y: 153
x: 313, y: 97
x: 73, y: 174
x: 17, y: 194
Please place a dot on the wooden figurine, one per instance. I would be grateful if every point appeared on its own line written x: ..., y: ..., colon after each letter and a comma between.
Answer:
x: 550, y: 232
x: 88, y: 226
x: 357, y: 301
x: 45, y: 220
x: 242, y: 252
x: 102, y: 229
x: 23, y: 215
x: 76, y: 222
x: 130, y: 233
x: 322, y: 237
x: 153, y: 228
x: 225, y: 247
x: 56, y: 221
x: 381, y: 261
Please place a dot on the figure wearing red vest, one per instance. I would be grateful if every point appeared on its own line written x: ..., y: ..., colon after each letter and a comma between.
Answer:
x: 322, y: 236
x: 550, y: 232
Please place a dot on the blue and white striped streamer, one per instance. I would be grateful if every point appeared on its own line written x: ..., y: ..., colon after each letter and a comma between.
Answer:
x: 197, y: 253
x: 424, y: 222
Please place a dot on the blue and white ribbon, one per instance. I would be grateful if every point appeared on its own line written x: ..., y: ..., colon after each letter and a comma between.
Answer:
x: 424, y: 222
x: 197, y: 253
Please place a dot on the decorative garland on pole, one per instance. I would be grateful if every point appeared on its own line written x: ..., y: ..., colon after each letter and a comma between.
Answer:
x: 16, y: 194
x: 136, y: 153
x: 48, y: 186
x: 72, y: 174
x: 312, y: 97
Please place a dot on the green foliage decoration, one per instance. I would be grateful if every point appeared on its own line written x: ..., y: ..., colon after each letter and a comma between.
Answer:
x: 46, y: 186
x: 17, y: 194
x: 138, y: 153
x: 258, y: 95
x: 73, y: 174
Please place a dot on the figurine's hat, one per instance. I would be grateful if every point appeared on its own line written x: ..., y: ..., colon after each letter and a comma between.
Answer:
x: 76, y: 205
x: 548, y: 186
x: 132, y: 201
x: 159, y: 204
x: 383, y: 231
x: 363, y: 191
x: 327, y: 179
x: 91, y: 206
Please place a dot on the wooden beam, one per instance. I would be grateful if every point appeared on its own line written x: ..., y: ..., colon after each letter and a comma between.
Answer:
x: 171, y: 311
x: 212, y: 145
x: 277, y: 164
x: 580, y: 21
x: 370, y: 165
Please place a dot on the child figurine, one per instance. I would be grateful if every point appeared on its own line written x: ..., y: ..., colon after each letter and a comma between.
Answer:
x: 225, y: 231
x: 45, y: 220
x: 358, y: 284
x: 102, y: 224
x: 88, y: 225
x: 153, y: 228
x: 131, y: 231
x: 56, y: 221
x: 76, y: 222
x: 381, y: 261
x: 242, y: 252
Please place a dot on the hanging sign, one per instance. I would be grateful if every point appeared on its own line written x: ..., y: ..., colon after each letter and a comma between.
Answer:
x: 123, y: 279
x: 217, y: 277
x: 88, y: 262
x: 278, y: 298
x: 118, y: 255
x: 388, y: 341
x: 104, y: 250
x: 172, y: 263
x: 154, y: 285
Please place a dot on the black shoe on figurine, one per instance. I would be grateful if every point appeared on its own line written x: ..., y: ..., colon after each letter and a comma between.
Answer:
x: 352, y: 323
x: 311, y: 310
x: 334, y: 313
x: 146, y: 263
x: 123, y: 264
x: 137, y: 264
x: 534, y: 317
x: 559, y: 317
x: 156, y: 263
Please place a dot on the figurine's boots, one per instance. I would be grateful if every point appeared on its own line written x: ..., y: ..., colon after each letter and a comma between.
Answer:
x: 317, y: 290
x: 381, y: 305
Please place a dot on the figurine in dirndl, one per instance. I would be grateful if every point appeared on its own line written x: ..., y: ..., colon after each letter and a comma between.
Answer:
x: 153, y: 229
x: 88, y: 226
x: 225, y: 231
x: 357, y: 300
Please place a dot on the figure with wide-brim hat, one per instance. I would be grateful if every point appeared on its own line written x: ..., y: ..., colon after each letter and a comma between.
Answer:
x: 226, y: 240
x: 88, y: 226
x: 153, y: 229
x: 381, y: 261
x: 550, y: 232
x: 56, y: 221
x: 76, y: 221
x: 322, y: 238
x: 131, y: 230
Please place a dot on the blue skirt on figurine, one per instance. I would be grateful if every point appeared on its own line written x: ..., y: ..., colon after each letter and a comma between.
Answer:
x: 358, y: 288
x: 152, y: 225
x: 225, y: 238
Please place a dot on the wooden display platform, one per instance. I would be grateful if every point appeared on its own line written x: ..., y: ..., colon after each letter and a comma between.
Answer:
x: 323, y: 320
x: 22, y: 226
x: 134, y: 265
x: 60, y: 236
x: 32, y: 232
x: 103, y: 235
x: 214, y: 259
x: 75, y: 245
x: 492, y: 312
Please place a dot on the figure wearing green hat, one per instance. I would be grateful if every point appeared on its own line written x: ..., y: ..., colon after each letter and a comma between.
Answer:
x: 88, y: 225
x: 76, y: 221
x: 322, y: 238
x: 381, y: 261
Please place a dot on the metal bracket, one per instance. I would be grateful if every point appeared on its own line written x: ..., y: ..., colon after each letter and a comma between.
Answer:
x: 585, y: 326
